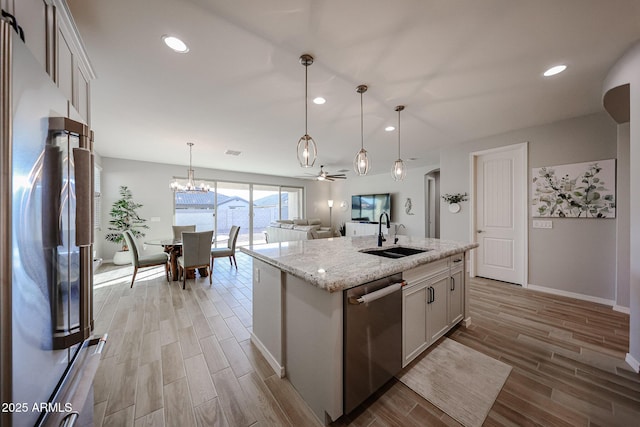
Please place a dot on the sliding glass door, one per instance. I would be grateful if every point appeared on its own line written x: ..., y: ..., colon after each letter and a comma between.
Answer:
x: 252, y: 207
x: 233, y: 208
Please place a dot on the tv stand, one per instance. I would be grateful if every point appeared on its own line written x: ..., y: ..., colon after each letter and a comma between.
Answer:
x: 363, y: 229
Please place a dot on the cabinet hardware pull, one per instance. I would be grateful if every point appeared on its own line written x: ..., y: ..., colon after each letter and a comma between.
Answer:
x: 453, y: 284
x: 457, y: 260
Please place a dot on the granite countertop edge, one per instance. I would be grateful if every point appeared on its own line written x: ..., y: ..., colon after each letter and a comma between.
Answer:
x: 332, y: 276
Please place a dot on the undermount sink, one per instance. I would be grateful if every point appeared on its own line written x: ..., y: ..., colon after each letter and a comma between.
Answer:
x: 395, y: 252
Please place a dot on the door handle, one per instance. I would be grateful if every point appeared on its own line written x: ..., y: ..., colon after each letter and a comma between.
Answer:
x: 480, y: 231
x: 453, y: 284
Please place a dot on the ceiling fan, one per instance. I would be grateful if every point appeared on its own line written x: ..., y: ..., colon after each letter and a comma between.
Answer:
x: 326, y: 176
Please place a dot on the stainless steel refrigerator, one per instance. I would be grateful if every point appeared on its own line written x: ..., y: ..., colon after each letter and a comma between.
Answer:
x: 45, y: 245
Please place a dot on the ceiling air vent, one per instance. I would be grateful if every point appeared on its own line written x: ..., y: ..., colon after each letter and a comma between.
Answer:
x: 232, y: 152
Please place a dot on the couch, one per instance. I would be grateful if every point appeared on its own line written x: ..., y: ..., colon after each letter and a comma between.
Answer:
x: 286, y: 230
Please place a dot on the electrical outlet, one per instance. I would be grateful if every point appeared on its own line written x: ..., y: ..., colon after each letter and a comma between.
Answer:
x: 542, y: 224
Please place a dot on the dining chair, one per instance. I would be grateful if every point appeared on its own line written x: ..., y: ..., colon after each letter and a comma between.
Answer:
x: 144, y: 261
x: 179, y: 229
x: 230, y: 250
x: 196, y: 247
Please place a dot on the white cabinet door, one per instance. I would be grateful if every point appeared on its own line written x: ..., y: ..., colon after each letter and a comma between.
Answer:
x: 65, y: 67
x: 32, y: 17
x: 414, y: 321
x: 438, y: 307
x: 456, y: 296
x: 364, y: 229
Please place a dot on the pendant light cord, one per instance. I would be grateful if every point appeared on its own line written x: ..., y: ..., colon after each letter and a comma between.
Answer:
x: 361, y: 124
x: 399, y: 133
x: 306, y: 99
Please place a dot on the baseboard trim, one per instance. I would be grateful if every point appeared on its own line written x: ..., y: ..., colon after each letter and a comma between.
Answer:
x: 575, y: 295
x: 631, y: 361
x: 279, y: 370
x: 467, y: 322
x: 622, y: 309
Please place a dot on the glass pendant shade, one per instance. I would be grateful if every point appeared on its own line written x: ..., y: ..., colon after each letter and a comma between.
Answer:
x: 178, y: 185
x: 361, y: 163
x: 307, y: 151
x: 398, y: 171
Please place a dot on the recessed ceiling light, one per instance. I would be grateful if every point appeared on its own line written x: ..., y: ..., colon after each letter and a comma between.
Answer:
x: 554, y: 70
x: 175, y: 43
x: 390, y: 128
x: 319, y: 100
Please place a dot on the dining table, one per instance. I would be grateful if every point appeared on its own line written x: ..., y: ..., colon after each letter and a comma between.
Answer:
x: 173, y: 247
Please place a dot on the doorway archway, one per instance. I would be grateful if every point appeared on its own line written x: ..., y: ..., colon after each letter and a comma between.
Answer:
x: 432, y: 204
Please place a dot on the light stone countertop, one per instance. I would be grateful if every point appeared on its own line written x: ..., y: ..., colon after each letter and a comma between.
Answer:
x: 336, y: 263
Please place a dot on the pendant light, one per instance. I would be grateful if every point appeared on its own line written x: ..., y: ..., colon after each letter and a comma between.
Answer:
x: 399, y: 171
x: 307, y: 151
x: 190, y: 185
x: 361, y: 163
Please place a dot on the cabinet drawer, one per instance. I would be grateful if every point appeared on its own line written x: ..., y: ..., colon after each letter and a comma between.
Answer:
x: 425, y: 271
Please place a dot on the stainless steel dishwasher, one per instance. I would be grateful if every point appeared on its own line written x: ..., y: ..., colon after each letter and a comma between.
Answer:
x: 372, y: 337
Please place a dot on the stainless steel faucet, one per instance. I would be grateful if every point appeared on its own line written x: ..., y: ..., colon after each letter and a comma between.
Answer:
x: 396, y: 227
x: 380, y: 236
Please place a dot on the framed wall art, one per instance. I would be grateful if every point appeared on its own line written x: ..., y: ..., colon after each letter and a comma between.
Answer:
x: 577, y: 190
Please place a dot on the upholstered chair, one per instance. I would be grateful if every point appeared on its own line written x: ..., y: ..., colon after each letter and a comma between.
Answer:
x: 143, y: 261
x: 196, y: 247
x: 230, y: 250
x: 179, y: 229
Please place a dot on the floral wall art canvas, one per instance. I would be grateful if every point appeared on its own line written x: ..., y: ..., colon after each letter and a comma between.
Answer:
x: 578, y: 190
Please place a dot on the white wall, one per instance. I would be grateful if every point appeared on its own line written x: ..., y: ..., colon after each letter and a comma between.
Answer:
x: 623, y: 258
x: 577, y: 255
x: 149, y: 183
x: 627, y: 71
x: 413, y: 186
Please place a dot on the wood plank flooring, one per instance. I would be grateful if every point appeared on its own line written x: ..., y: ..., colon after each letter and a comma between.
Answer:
x: 183, y: 358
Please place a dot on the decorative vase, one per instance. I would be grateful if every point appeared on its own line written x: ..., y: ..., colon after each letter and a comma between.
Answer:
x: 122, y: 258
x: 454, y: 207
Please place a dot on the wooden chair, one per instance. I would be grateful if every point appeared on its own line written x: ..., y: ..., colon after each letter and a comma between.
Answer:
x: 230, y: 250
x: 146, y: 260
x: 179, y: 229
x: 196, y: 247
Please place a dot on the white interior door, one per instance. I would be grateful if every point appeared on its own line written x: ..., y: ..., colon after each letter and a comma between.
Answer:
x: 500, y: 226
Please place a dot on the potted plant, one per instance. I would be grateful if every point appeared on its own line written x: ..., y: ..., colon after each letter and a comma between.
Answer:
x: 454, y: 201
x: 124, y: 217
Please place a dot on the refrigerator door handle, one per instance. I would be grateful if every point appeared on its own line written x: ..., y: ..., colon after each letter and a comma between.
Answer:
x: 70, y: 420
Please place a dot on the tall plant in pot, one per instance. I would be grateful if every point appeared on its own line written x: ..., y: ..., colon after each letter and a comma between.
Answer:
x: 124, y: 217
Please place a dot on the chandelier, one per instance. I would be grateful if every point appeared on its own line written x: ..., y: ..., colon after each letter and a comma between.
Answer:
x: 177, y: 185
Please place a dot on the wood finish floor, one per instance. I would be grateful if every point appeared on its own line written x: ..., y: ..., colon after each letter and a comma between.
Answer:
x: 183, y: 358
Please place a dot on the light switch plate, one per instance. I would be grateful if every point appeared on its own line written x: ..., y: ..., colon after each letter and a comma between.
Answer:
x: 542, y: 224
x: 155, y: 219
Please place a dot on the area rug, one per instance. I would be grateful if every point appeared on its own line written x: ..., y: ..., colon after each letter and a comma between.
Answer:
x: 459, y: 380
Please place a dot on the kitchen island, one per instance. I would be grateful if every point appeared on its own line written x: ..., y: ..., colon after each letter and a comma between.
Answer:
x: 298, y: 305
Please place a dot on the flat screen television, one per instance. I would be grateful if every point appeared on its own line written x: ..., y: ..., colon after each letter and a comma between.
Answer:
x: 369, y: 207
